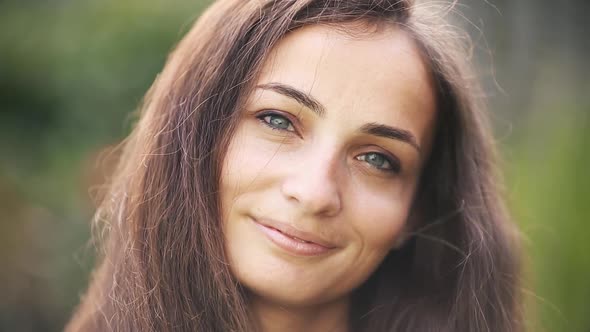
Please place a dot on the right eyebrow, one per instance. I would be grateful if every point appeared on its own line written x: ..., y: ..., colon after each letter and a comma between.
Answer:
x: 301, y: 97
x: 395, y: 133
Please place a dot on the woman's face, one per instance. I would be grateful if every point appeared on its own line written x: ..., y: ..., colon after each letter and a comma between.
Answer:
x: 320, y: 175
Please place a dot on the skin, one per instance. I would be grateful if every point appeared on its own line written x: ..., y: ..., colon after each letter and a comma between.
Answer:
x: 321, y: 174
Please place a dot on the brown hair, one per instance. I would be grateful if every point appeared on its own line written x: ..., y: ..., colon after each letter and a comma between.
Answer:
x: 164, y: 267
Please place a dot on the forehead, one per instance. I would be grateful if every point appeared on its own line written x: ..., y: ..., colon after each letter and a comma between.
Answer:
x: 376, y: 77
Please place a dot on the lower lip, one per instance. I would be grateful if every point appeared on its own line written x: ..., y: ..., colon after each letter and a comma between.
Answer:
x: 291, y: 245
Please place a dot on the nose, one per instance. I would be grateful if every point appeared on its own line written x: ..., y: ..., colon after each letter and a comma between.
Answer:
x: 313, y: 184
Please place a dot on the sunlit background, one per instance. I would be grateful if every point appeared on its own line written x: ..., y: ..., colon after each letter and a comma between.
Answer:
x: 72, y: 73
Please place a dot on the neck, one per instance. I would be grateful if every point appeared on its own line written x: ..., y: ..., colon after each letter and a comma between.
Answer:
x: 330, y: 317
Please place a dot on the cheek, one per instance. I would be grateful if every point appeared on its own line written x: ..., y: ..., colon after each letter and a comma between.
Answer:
x: 246, y: 158
x: 240, y: 166
x: 380, y: 218
x: 232, y: 175
x: 249, y: 168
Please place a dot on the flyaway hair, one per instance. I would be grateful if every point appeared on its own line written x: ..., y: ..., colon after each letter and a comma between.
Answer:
x: 162, y: 264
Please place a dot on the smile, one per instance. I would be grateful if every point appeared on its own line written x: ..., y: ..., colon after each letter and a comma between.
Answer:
x: 299, y: 245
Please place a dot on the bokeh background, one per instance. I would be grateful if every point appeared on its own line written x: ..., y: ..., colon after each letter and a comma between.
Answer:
x: 73, y: 72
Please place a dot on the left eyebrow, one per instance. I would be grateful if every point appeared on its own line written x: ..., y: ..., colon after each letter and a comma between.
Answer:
x: 399, y: 134
x: 300, y: 96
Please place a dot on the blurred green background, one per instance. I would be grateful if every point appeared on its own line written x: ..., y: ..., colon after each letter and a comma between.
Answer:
x: 72, y: 73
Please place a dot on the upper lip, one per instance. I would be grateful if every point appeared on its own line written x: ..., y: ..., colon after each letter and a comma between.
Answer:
x: 293, y: 232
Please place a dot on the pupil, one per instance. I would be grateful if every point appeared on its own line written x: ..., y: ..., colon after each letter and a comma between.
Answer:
x: 279, y: 122
x: 375, y: 159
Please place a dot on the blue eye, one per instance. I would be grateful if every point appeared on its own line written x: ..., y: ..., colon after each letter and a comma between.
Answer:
x: 379, y: 161
x: 277, y: 121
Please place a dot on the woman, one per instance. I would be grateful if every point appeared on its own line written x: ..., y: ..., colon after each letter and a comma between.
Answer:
x: 308, y: 165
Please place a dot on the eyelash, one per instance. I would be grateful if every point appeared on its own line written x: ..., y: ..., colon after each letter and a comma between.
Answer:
x: 394, y: 164
x: 262, y: 117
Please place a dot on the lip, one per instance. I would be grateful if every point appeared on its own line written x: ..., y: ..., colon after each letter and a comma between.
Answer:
x: 292, y: 240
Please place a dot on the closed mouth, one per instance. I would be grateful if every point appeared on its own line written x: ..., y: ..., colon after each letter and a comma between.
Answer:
x: 293, y: 241
x: 291, y: 236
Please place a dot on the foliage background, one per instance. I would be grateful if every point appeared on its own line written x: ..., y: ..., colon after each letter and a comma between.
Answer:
x: 72, y: 72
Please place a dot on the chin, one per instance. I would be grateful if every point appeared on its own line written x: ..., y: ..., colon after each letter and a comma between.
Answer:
x: 294, y: 296
x: 283, y: 283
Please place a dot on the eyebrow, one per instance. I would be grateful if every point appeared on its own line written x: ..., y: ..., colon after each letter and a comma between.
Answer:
x: 301, y: 97
x: 399, y: 134
x: 375, y: 129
